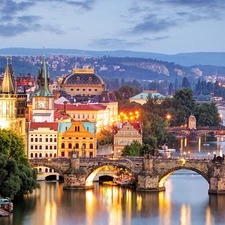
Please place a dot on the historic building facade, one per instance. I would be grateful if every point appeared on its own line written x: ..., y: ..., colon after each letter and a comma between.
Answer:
x: 79, y: 137
x: 12, y: 104
x: 83, y: 82
x: 125, y: 135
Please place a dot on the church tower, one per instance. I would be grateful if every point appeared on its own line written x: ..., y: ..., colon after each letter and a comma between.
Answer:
x: 42, y: 98
x: 12, y: 103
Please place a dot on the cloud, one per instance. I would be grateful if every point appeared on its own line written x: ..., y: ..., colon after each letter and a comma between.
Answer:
x: 12, y: 7
x: 173, y: 13
x: 152, y: 23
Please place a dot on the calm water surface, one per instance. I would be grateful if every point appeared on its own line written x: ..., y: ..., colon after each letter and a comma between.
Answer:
x: 185, y: 202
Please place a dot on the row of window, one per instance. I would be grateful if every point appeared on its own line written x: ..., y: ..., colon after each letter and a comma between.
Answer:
x: 77, y: 146
x: 46, y: 147
x: 40, y: 139
x: 83, y: 89
x: 40, y: 155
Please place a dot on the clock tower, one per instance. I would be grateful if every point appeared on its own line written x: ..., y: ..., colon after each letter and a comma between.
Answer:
x: 42, y: 98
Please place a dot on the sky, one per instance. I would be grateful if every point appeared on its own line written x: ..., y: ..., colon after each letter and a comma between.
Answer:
x: 160, y: 26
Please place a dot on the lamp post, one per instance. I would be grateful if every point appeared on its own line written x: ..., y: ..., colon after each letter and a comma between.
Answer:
x: 208, y: 154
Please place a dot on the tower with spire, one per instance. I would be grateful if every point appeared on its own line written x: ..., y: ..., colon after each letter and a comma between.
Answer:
x: 12, y: 103
x: 42, y: 98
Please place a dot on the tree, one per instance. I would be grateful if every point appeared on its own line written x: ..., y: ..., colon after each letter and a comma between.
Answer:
x: 134, y: 149
x: 207, y: 115
x: 16, y: 174
x: 104, y: 137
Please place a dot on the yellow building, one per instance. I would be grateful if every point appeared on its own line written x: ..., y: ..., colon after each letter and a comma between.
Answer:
x: 76, y: 136
x: 125, y: 135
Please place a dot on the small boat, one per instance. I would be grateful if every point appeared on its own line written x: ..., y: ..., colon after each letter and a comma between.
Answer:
x: 6, y: 204
x: 111, y: 183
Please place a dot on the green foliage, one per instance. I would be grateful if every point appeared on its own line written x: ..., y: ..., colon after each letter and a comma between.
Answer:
x: 16, y: 175
x: 126, y: 92
x: 104, y: 137
x: 207, y: 115
x: 134, y: 149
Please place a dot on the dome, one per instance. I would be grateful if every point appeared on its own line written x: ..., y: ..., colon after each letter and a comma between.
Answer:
x: 83, y: 77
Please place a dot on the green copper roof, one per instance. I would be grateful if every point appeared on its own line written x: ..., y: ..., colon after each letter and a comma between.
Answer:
x: 43, y: 82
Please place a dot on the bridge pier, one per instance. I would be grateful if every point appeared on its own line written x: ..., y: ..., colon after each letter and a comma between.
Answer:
x: 217, y: 177
x: 75, y: 177
x: 149, y: 183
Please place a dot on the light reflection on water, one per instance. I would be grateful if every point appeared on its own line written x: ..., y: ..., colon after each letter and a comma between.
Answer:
x: 185, y: 202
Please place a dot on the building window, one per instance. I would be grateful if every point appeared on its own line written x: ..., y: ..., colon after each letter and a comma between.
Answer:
x: 31, y: 155
x: 40, y: 139
x: 54, y: 139
x: 83, y: 89
x: 55, y: 147
x: 77, y: 145
x: 31, y: 139
x: 70, y: 145
x: 62, y: 145
x: 46, y: 155
x: 71, y: 89
x: 50, y: 139
x: 40, y: 155
x: 50, y: 146
x: 36, y: 147
x: 46, y: 139
x: 46, y: 147
x: 36, y: 140
x: 90, y: 78
x: 40, y: 147
x: 78, y: 89
x: 78, y: 78
x: 63, y: 154
x: 91, y: 146
x: 89, y: 89
x: 31, y: 147
x: 96, y: 89
x: 36, y: 155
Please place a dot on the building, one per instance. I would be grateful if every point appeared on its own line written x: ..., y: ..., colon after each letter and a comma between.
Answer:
x: 125, y: 135
x: 12, y: 104
x: 43, y: 140
x: 77, y: 136
x: 82, y: 82
x: 42, y: 98
x: 103, y: 116
x: 142, y: 98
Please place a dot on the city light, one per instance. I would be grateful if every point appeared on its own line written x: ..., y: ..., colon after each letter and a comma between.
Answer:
x: 129, y: 116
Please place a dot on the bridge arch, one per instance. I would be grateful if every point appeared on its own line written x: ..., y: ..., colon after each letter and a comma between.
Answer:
x: 96, y: 169
x: 165, y: 175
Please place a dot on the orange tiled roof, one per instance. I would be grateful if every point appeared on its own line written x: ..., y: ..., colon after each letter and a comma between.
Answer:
x: 80, y: 107
x: 51, y: 125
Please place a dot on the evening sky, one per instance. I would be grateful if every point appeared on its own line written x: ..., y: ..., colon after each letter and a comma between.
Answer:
x: 162, y: 26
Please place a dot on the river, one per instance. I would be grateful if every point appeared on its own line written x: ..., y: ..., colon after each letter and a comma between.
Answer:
x: 185, y: 201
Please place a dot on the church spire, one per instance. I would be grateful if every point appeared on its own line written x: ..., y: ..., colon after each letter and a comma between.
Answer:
x: 8, y: 85
x: 43, y: 81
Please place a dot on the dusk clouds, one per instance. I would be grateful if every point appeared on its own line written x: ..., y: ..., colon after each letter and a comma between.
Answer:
x: 145, y: 25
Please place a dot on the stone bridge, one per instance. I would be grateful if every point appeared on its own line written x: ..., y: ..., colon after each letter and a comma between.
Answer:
x: 199, y: 131
x: 149, y: 173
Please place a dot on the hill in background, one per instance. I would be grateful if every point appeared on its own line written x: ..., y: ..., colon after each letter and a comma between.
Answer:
x: 184, y: 59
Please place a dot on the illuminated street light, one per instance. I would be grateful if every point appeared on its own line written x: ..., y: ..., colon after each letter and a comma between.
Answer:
x: 208, y: 154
